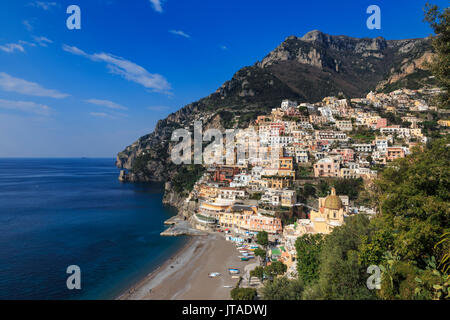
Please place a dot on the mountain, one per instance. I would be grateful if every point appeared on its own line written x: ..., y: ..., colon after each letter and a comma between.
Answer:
x: 304, y: 69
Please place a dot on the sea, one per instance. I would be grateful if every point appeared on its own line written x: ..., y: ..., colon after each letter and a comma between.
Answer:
x: 56, y: 213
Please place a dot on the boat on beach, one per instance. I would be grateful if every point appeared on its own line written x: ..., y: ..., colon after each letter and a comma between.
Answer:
x: 213, y: 274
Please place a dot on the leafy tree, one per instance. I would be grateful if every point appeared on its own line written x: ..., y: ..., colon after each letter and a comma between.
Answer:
x: 340, y: 274
x: 243, y: 294
x: 308, y: 249
x: 373, y: 249
x: 323, y: 188
x: 412, y: 197
x: 309, y: 190
x: 440, y: 66
x: 260, y: 253
x: 283, y: 289
x: 303, y: 172
x: 258, y: 272
x: 303, y: 193
x: 349, y: 187
x: 276, y: 268
x: 262, y: 238
x: 413, y: 200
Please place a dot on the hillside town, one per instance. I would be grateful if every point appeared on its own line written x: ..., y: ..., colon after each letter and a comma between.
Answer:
x: 336, y: 139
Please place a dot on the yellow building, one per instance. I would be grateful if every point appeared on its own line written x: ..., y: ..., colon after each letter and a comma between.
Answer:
x: 277, y: 182
x: 444, y: 123
x: 286, y: 163
x: 282, y: 172
x: 207, y: 192
x: 330, y: 215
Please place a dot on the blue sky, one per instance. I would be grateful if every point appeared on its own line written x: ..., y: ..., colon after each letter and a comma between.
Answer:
x: 92, y: 92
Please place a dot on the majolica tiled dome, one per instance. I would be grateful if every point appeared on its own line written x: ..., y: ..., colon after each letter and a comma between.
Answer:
x: 333, y: 202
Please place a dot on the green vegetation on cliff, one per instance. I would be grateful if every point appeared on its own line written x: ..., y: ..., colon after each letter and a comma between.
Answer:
x: 440, y: 67
x: 187, y: 175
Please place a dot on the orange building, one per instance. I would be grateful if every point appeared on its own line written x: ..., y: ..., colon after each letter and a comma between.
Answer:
x: 286, y: 163
x: 393, y: 153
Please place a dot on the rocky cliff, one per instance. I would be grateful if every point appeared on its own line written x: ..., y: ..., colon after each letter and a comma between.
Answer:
x: 304, y: 68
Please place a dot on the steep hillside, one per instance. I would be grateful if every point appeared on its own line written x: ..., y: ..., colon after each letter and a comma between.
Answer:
x: 304, y: 69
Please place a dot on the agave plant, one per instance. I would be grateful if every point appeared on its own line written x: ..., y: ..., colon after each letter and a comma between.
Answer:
x: 444, y: 263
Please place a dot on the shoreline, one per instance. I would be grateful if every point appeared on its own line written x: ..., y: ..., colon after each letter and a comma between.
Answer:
x: 129, y: 292
x: 184, y: 276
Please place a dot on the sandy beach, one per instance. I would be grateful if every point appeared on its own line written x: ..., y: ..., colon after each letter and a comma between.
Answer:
x: 185, y: 275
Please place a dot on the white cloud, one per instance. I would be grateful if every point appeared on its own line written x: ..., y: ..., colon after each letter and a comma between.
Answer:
x: 25, y: 106
x: 12, y: 84
x: 31, y: 44
x: 75, y: 50
x: 20, y: 45
x: 107, y: 104
x: 158, y: 108
x: 11, y: 47
x: 99, y: 114
x: 42, y: 41
x: 43, y: 4
x: 126, y: 69
x: 180, y: 33
x: 28, y: 25
x: 157, y: 5
x: 114, y: 115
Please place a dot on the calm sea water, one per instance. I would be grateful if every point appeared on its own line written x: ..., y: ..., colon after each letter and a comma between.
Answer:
x: 60, y: 212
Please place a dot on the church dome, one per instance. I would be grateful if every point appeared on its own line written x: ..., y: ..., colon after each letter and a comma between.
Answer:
x: 332, y: 201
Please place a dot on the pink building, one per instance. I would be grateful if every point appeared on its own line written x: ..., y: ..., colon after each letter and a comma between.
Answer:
x: 277, y: 127
x: 317, y: 119
x: 381, y: 123
x: 263, y: 223
x: 327, y: 167
x: 348, y: 155
x: 395, y: 153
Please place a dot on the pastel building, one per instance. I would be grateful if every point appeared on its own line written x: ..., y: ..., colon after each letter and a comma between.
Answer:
x: 330, y: 214
x: 327, y: 167
x: 395, y: 153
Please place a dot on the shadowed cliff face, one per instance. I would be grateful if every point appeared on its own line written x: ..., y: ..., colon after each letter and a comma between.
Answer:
x: 305, y: 69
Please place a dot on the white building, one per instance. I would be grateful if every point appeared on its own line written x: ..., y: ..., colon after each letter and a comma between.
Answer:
x: 286, y: 104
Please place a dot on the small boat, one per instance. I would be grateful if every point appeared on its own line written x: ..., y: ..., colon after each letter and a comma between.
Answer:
x: 214, y: 274
x: 233, y: 270
x: 244, y: 259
